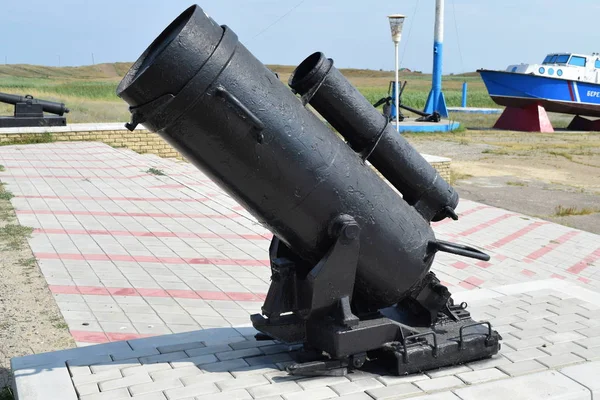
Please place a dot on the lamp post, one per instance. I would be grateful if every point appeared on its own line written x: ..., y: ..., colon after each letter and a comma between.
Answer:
x: 396, y: 23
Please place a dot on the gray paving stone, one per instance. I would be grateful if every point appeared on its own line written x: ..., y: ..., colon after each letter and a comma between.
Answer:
x: 445, y: 382
x: 240, y: 394
x: 560, y: 360
x: 530, y: 333
x: 438, y: 373
x: 564, y: 337
x: 524, y: 355
x: 124, y: 382
x: 525, y: 343
x: 482, y: 375
x: 311, y: 383
x: 437, y: 396
x: 79, y: 370
x: 230, y: 355
x: 395, y: 391
x: 152, y: 396
x: 121, y: 364
x: 274, y: 389
x: 270, y: 359
x: 206, y: 378
x: 161, y: 358
x: 118, y: 394
x: 356, y: 386
x: 312, y: 394
x: 200, y: 351
x: 254, y: 370
x: 223, y: 366
x: 547, y: 385
x: 89, y: 388
x: 194, y: 361
x: 592, y: 354
x: 175, y: 373
x: 390, y: 380
x: 242, y: 383
x: 157, y: 386
x: 180, y: 347
x: 146, y: 369
x: 281, y: 376
x: 489, y: 362
x: 126, y: 355
x: 561, y: 348
x: 589, y: 342
x: 95, y: 378
x: 90, y: 360
x: 356, y: 396
x: 587, y: 375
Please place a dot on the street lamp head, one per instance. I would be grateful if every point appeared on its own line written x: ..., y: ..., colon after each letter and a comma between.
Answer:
x: 396, y: 23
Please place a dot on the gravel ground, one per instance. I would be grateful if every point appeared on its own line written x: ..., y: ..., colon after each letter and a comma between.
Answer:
x: 532, y: 173
x: 30, y: 321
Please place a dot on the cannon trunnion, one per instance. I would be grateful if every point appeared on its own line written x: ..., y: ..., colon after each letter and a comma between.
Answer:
x: 31, y: 112
x: 350, y: 257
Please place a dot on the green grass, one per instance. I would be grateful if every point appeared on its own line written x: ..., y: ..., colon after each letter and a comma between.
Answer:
x: 155, y: 171
x: 456, y: 176
x: 14, y: 235
x: 89, y: 91
x: 27, y: 262
x: 417, y: 98
x: 514, y: 183
x: 33, y: 138
x: 5, y: 194
x: 562, y: 211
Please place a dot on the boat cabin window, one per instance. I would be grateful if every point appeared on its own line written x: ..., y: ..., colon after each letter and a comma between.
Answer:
x: 562, y: 59
x: 548, y: 58
x: 553, y: 59
x: 577, y: 61
x: 597, y: 63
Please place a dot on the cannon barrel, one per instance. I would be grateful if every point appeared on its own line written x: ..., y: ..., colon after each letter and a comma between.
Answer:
x: 369, y: 133
x: 48, y: 106
x: 211, y: 99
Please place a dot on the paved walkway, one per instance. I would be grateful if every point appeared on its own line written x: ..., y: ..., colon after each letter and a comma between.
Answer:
x: 130, y: 253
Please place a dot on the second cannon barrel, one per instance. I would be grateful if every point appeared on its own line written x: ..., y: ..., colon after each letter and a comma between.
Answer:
x: 368, y: 132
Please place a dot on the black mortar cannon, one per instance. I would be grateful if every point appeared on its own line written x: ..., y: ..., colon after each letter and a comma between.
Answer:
x: 350, y: 257
x: 30, y: 112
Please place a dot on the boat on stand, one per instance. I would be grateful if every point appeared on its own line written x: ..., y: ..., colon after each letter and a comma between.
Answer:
x: 564, y: 83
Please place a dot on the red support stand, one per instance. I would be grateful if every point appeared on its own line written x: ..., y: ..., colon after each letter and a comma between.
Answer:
x: 584, y: 124
x: 532, y: 118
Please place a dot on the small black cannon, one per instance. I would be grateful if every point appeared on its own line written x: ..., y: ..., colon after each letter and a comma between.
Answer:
x: 30, y: 112
x: 350, y: 257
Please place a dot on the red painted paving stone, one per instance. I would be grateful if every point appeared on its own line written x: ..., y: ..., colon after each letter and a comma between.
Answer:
x: 149, y: 259
x: 527, y: 272
x: 514, y: 236
x: 141, y: 292
x: 460, y: 265
x: 585, y: 263
x: 124, y: 214
x: 177, y: 248
x: 552, y: 245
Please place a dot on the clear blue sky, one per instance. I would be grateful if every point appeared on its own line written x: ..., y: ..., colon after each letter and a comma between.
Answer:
x: 492, y: 33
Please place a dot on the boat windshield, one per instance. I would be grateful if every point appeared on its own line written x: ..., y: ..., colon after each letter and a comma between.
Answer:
x: 557, y: 59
